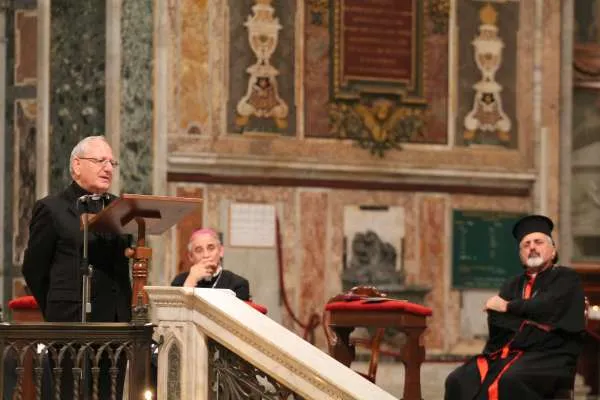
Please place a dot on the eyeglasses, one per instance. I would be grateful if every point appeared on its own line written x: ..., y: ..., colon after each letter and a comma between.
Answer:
x: 101, y: 161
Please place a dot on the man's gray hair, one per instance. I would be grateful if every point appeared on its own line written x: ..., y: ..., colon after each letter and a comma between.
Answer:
x: 81, y: 147
x: 203, y: 231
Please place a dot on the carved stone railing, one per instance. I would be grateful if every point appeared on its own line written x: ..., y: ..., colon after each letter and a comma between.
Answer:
x: 74, y: 360
x: 215, y: 346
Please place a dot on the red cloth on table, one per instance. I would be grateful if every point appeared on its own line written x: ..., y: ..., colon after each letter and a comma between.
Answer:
x: 385, y: 305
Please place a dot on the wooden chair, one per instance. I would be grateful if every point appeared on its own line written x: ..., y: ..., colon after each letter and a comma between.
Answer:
x: 569, y: 393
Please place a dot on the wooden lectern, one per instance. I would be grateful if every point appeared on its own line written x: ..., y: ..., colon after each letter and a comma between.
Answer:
x: 141, y: 215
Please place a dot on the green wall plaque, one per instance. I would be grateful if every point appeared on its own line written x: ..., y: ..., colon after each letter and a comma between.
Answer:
x: 484, y: 252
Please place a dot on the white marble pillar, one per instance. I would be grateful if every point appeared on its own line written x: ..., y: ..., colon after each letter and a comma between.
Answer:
x: 161, y: 106
x: 162, y: 28
x: 42, y: 149
x: 113, y: 83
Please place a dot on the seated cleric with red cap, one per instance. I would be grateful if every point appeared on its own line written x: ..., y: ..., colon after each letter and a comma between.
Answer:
x: 536, y: 326
x: 205, y: 251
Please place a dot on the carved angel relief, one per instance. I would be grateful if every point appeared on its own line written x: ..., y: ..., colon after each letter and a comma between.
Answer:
x: 378, y: 127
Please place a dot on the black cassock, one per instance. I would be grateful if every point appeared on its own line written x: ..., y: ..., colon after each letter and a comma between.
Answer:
x: 532, y: 348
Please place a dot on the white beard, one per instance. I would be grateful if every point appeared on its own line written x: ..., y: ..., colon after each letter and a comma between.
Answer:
x: 534, y: 262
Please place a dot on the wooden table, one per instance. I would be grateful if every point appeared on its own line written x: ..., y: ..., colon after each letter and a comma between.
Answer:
x: 403, y: 316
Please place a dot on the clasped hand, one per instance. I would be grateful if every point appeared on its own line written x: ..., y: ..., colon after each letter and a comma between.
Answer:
x: 496, y: 303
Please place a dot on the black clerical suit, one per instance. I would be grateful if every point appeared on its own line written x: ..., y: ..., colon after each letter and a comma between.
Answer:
x: 52, y: 262
x: 224, y: 280
x: 532, y: 348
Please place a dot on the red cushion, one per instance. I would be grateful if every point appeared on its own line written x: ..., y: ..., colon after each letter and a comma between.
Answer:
x: 385, y: 305
x: 257, y: 307
x: 22, y: 303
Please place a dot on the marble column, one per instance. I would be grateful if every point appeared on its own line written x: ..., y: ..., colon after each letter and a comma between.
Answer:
x: 538, y: 44
x: 113, y: 83
x: 42, y: 148
x: 137, y: 53
x: 161, y: 274
x: 4, y: 272
x: 566, y: 121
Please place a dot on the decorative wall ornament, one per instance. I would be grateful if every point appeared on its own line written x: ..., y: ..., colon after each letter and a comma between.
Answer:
x: 174, y: 372
x: 377, y: 127
x: 318, y: 12
x: 378, y: 93
x: 262, y: 98
x: 439, y: 13
x: 487, y: 114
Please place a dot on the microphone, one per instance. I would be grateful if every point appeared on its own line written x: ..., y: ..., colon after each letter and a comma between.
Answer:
x: 93, y: 197
x: 93, y: 201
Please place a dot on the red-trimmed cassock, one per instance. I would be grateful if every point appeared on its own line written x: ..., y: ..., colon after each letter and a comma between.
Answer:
x: 532, y: 348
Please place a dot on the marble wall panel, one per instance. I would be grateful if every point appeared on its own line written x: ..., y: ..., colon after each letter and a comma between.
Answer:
x: 136, y: 97
x: 25, y: 47
x: 173, y: 31
x: 77, y: 80
x: 194, y: 96
x: 313, y: 209
x: 316, y: 60
x: 524, y: 79
x: 241, y: 57
x: 24, y: 175
x: 435, y: 77
x: 433, y: 236
x: 186, y: 226
x: 550, y: 91
x: 474, y: 20
x: 285, y: 199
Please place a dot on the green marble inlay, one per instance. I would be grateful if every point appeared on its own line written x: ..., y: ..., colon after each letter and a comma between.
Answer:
x: 136, y: 97
x: 77, y: 84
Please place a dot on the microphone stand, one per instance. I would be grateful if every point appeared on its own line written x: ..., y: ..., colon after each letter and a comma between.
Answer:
x: 86, y: 273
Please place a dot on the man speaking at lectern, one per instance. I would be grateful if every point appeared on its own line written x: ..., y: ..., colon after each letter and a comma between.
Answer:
x: 53, y: 259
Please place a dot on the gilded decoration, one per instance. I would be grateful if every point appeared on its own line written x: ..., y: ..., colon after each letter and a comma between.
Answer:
x: 378, y: 83
x: 262, y: 98
x: 318, y: 12
x: 439, y: 12
x: 378, y: 127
